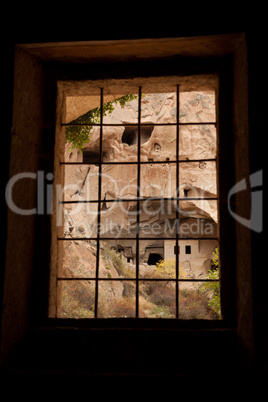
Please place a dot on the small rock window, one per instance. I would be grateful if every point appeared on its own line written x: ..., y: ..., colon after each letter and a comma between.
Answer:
x: 130, y: 135
x: 185, y: 191
x: 90, y: 156
x: 188, y: 250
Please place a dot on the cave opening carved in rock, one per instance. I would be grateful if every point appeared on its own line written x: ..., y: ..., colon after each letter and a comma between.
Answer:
x: 154, y: 258
x: 130, y: 134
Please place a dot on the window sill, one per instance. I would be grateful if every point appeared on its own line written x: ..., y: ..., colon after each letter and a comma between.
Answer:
x: 143, y: 350
x: 138, y: 323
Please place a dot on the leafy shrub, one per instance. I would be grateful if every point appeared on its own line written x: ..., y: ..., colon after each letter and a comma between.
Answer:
x: 213, y: 287
x: 167, y: 269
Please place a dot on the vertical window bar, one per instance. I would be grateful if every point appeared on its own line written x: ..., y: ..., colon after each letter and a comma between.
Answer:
x: 177, y: 205
x: 99, y: 206
x: 138, y: 206
x: 57, y: 294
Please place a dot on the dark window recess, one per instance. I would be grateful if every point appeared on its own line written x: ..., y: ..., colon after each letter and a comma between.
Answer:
x: 154, y: 258
x: 130, y: 135
x: 104, y: 205
x: 186, y: 190
x: 187, y: 249
x: 90, y: 156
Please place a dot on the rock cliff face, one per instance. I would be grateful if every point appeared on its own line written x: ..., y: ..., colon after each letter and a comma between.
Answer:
x: 197, y: 179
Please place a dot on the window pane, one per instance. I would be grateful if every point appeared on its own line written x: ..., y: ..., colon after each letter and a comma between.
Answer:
x: 80, y: 182
x: 198, y: 218
x: 118, y: 219
x: 157, y: 299
x: 79, y: 259
x: 117, y: 259
x: 82, y: 144
x: 120, y: 143
x: 157, y: 218
x: 78, y: 219
x: 119, y: 182
x: 158, y: 107
x: 77, y: 216
x: 76, y: 299
x: 151, y: 253
x: 80, y: 109
x: 199, y: 300
x: 197, y: 142
x: 116, y: 299
x: 158, y: 180
x: 120, y: 105
x: 197, y: 106
x: 199, y: 178
x: 198, y: 263
x: 159, y: 144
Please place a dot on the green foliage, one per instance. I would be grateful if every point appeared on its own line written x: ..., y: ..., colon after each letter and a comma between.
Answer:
x: 167, y: 269
x: 214, y: 303
x: 215, y: 260
x: 78, y: 136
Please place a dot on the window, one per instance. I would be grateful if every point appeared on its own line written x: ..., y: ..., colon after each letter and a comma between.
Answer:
x: 187, y: 249
x: 137, y: 183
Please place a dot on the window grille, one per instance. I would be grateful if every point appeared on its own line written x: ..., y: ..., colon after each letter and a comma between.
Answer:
x: 97, y: 281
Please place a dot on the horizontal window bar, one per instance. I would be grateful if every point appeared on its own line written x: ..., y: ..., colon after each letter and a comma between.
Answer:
x: 139, y: 199
x: 135, y: 238
x: 136, y: 124
x: 141, y: 163
x: 139, y: 279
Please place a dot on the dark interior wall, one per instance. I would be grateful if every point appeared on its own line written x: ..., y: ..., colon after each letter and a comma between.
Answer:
x: 26, y: 130
x: 16, y: 262
x: 256, y: 40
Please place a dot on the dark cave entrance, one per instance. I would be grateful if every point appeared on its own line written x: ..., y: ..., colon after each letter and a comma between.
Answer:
x: 130, y: 135
x: 154, y: 258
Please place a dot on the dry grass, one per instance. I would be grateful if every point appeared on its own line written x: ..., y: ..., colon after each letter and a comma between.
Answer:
x: 118, y: 308
x: 193, y: 304
x: 77, y: 300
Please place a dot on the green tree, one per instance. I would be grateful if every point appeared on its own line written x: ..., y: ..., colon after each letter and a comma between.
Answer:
x: 77, y: 136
